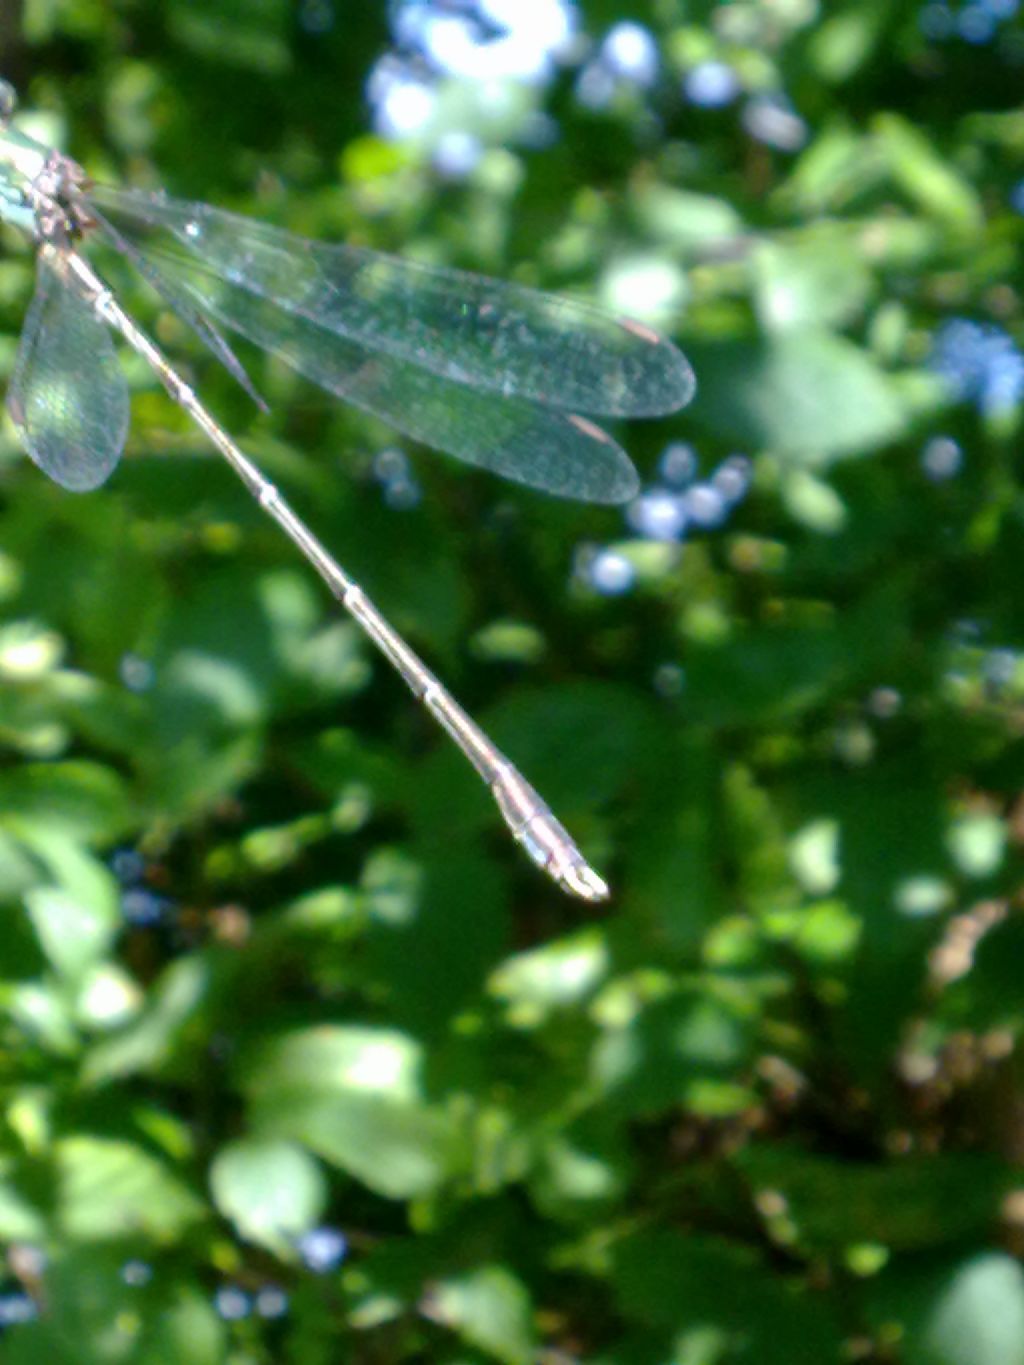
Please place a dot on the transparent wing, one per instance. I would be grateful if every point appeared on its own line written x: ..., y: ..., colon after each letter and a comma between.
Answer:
x: 180, y: 306
x: 68, y: 397
x: 554, y: 451
x: 491, y: 335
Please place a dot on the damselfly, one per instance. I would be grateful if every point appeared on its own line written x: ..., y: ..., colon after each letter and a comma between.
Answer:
x: 490, y: 372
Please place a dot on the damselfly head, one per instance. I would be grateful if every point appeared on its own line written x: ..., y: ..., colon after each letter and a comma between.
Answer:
x: 61, y: 215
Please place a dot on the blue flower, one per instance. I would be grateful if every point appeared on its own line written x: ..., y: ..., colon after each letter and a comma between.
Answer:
x: 678, y: 464
x: 731, y: 479
x: 941, y: 458
x: 16, y: 1309
x: 136, y: 673
x: 611, y: 573
x: 980, y: 363
x: 773, y: 120
x: 705, y: 506
x: 457, y: 153
x: 711, y: 85
x: 128, y: 866
x: 271, y: 1302
x: 136, y: 1273
x: 394, y: 473
x: 232, y: 1303
x: 323, y: 1249
x: 658, y: 514
x: 143, y: 908
x: 976, y: 24
x: 630, y: 52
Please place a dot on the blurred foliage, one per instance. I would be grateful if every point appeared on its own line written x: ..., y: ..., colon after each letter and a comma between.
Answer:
x: 301, y: 1061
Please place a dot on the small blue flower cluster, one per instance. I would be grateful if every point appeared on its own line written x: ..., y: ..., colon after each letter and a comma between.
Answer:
x: 670, y: 509
x: 392, y: 470
x: 628, y: 57
x: 529, y: 41
x: 484, y: 40
x: 980, y: 363
x: 768, y: 116
x: 17, y: 1308
x: 141, y: 907
x: 234, y: 1303
x: 321, y: 1249
x: 977, y: 21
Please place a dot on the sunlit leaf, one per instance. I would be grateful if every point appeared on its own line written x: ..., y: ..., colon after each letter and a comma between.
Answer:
x: 810, y: 395
x: 353, y: 1095
x: 271, y: 1191
x: 108, y: 1188
x: 490, y: 1309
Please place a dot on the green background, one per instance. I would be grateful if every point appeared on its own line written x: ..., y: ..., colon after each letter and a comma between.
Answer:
x: 766, y: 1105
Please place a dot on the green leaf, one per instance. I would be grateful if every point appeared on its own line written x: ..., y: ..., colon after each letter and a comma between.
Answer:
x: 913, y: 1203
x: 148, y: 1041
x: 661, y: 1057
x: 364, y: 1061
x: 20, y: 1220
x: 844, y: 42
x: 976, y: 1317
x: 85, y: 802
x: 43, y: 1013
x: 18, y: 869
x: 422, y: 915
x: 108, y: 1188
x: 77, y: 920
x: 764, y: 673
x: 561, y: 736
x: 272, y: 1191
x: 89, y: 1318
x: 552, y: 977
x: 92, y: 1316
x: 186, y: 1329
x: 834, y: 169
x: 251, y: 36
x: 489, y: 1308
x: 813, y: 502
x: 652, y: 287
x: 397, y: 1149
x: 928, y: 178
x: 682, y: 219
x: 818, y: 280
x: 73, y: 936
x: 353, y: 1095
x: 580, y: 1175
x: 809, y: 395
x: 689, y: 1283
